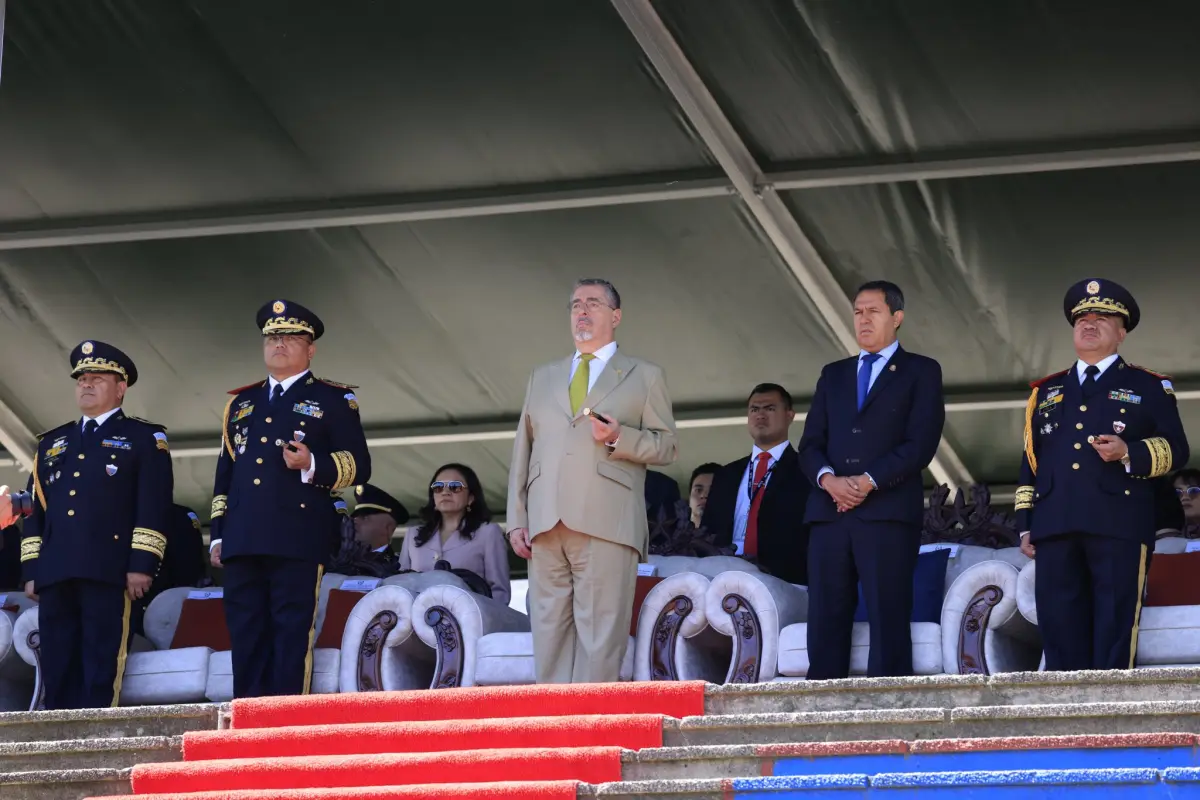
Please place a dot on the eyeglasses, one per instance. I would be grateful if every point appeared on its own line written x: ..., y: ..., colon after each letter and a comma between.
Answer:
x: 593, y: 305
x: 1188, y: 491
x: 453, y: 487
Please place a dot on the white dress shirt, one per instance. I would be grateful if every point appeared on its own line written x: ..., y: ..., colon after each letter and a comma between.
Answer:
x: 1081, y: 367
x: 595, y: 367
x: 741, y: 510
x: 885, y: 355
x: 100, y: 420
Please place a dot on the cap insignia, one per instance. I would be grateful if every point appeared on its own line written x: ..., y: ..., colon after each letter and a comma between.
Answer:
x: 1093, y: 287
x: 87, y: 348
x: 279, y: 307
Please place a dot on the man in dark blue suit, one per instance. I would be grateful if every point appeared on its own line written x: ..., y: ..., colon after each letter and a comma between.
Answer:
x: 102, y: 489
x: 288, y: 442
x: 1099, y: 437
x: 874, y: 425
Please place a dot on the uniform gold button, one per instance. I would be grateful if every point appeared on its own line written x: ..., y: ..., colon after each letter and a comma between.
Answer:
x: 1122, y: 411
x: 302, y: 504
x: 1083, y: 408
x: 81, y: 456
x: 1078, y: 445
x: 72, y: 493
x: 257, y: 481
x: 76, y: 474
x: 263, y: 440
x: 301, y: 423
x: 268, y: 419
x: 116, y: 538
x: 1126, y: 491
x: 71, y: 513
x: 1078, y: 426
x: 258, y: 461
x: 1074, y: 466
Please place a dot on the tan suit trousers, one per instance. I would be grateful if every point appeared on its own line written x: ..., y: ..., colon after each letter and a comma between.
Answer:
x: 581, y: 603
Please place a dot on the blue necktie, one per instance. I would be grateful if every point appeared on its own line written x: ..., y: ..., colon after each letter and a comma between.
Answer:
x: 89, y: 427
x: 276, y: 393
x: 864, y: 376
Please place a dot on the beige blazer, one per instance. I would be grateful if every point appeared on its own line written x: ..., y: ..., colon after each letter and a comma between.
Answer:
x: 485, y: 554
x: 560, y: 473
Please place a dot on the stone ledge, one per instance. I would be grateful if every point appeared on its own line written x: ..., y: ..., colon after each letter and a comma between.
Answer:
x: 1065, y: 710
x: 54, y: 776
x: 38, y: 747
x: 807, y: 718
x: 120, y: 712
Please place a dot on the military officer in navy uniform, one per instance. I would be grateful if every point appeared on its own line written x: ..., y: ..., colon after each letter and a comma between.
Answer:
x: 376, y: 516
x: 289, y: 441
x: 1097, y: 435
x: 102, y: 497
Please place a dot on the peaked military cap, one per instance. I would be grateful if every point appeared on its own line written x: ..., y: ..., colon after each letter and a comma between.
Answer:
x: 371, y: 500
x: 94, y: 356
x: 285, y: 317
x: 1097, y: 296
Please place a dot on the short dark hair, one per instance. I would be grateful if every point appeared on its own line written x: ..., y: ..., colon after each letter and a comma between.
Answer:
x: 1188, y: 474
x: 710, y: 468
x: 614, y: 297
x: 772, y: 388
x: 892, y: 294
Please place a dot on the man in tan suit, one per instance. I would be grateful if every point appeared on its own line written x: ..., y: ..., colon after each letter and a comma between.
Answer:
x: 576, y: 503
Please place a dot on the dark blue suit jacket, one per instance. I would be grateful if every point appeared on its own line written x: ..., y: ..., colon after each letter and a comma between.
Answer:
x: 1066, y: 487
x: 262, y: 508
x: 102, y: 505
x: 893, y: 438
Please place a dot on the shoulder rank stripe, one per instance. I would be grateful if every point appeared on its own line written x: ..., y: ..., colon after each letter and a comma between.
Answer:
x: 255, y: 385
x: 147, y: 422
x: 1161, y: 376
x: 1051, y: 376
x: 337, y: 385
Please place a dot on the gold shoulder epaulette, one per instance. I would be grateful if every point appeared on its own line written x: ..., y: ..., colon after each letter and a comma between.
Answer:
x: 1050, y: 377
x: 255, y: 385
x: 1161, y: 376
x: 46, y: 433
x: 336, y: 384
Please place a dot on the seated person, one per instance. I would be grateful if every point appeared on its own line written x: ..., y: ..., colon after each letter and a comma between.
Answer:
x: 183, y: 563
x: 698, y: 490
x: 757, y: 502
x: 1187, y: 489
x: 367, y: 540
x: 456, y: 527
x: 662, y: 493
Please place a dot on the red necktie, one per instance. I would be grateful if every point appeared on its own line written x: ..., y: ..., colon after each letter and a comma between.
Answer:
x: 750, y: 547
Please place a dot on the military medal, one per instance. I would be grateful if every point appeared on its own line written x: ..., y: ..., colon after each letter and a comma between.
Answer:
x: 111, y: 469
x: 1118, y: 426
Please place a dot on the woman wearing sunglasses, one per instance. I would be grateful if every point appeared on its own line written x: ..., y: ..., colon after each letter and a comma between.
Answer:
x: 1187, y: 488
x: 456, y: 527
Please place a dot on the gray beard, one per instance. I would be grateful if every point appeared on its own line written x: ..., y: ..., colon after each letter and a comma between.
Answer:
x: 583, y: 336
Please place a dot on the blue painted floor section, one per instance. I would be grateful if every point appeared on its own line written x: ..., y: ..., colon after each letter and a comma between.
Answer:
x: 1172, y: 783
x: 1081, y: 758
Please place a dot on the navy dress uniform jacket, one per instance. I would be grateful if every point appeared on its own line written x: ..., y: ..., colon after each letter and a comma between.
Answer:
x: 262, y: 508
x: 893, y: 438
x: 101, y: 506
x: 1065, y: 487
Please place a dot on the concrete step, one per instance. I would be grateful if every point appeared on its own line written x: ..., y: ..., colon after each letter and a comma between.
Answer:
x: 1156, y: 751
x: 68, y: 784
x: 107, y: 723
x: 1176, y: 716
x: 125, y: 751
x: 953, y: 691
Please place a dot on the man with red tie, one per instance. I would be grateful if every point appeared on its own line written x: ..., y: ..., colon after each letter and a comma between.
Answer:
x: 757, y: 503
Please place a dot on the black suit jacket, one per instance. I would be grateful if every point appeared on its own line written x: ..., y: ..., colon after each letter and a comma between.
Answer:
x: 893, y: 438
x: 782, y: 534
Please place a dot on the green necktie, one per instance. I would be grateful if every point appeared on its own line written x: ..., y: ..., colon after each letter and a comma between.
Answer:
x: 579, y: 382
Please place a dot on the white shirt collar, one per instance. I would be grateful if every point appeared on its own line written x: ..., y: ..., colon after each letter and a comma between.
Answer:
x: 776, y: 451
x: 1081, y: 366
x: 885, y: 354
x: 383, y: 549
x: 286, y: 382
x: 100, y: 420
x: 603, y: 355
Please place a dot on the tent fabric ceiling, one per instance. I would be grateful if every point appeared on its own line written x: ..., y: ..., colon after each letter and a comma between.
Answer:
x: 136, y: 108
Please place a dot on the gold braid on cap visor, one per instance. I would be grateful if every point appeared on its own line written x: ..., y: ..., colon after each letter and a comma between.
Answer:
x: 91, y: 364
x: 287, y: 325
x: 1103, y: 305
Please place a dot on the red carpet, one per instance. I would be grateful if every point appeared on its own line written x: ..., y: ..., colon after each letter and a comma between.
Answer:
x: 588, y: 764
x: 482, y: 702
x: 631, y: 731
x: 506, y: 743
x: 528, y: 790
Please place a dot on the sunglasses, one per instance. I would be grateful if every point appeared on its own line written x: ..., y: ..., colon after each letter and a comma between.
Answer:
x: 453, y: 487
x: 1189, y: 491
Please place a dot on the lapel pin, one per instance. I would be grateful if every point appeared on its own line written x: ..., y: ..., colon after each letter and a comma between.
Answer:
x: 111, y: 469
x: 891, y: 368
x: 1118, y: 427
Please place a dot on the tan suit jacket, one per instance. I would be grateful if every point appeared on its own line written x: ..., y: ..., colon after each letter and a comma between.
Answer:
x: 560, y: 473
